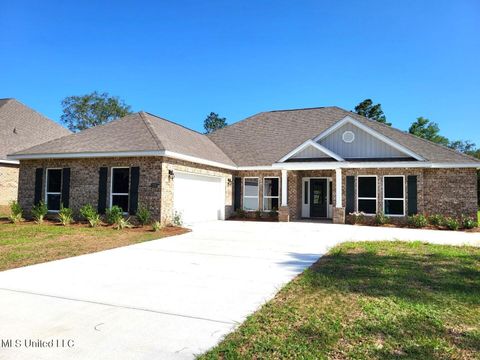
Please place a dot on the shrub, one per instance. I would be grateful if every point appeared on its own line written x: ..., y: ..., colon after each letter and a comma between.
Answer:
x: 417, y: 221
x: 468, y: 222
x: 177, y: 219
x: 258, y: 214
x: 143, y: 215
x: 156, y: 226
x: 273, y: 213
x: 89, y: 213
x: 114, y: 214
x: 39, y: 211
x: 381, y: 219
x: 122, y: 223
x: 16, y: 212
x: 452, y: 223
x: 357, y: 217
x: 241, y: 213
x: 436, y: 220
x: 65, y: 216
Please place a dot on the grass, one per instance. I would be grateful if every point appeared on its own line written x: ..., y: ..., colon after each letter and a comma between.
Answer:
x: 372, y: 300
x: 29, y: 243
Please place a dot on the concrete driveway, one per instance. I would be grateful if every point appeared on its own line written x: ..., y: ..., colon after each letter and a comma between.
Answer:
x: 170, y: 298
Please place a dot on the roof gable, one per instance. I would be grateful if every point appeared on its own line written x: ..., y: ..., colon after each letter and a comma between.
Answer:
x: 311, y: 149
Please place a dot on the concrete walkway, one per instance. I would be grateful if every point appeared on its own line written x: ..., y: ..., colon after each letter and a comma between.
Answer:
x: 170, y: 298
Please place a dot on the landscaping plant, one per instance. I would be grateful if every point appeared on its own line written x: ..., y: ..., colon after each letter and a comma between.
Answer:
x: 381, y: 219
x: 65, y: 215
x: 357, y: 217
x: 177, y: 219
x: 89, y: 213
x: 273, y: 213
x: 122, y: 223
x: 468, y: 222
x: 114, y: 214
x: 417, y: 221
x: 241, y: 213
x: 258, y: 214
x: 436, y: 220
x: 143, y: 215
x: 16, y: 212
x: 452, y: 223
x: 39, y: 211
x: 156, y: 226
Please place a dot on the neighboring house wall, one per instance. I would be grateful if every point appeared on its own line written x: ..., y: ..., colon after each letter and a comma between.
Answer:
x: 450, y: 191
x: 8, y: 183
x: 167, y: 185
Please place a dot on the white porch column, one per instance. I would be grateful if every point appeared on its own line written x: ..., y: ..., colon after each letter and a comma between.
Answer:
x: 338, y: 188
x: 284, y: 188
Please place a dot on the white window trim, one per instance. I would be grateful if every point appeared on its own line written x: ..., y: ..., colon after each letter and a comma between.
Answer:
x: 249, y: 196
x: 270, y: 197
x: 368, y: 198
x: 403, y: 199
x: 52, y: 193
x: 111, y: 186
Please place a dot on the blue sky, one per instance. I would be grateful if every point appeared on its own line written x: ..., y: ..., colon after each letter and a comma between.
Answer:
x: 183, y: 59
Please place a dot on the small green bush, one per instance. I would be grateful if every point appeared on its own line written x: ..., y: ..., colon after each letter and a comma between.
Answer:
x: 436, y: 220
x: 89, y: 213
x: 417, y: 221
x: 258, y: 214
x: 358, y: 217
x: 381, y: 219
x: 156, y: 226
x: 241, y: 213
x: 65, y: 216
x: 122, y: 223
x: 143, y: 215
x: 177, y: 219
x: 114, y: 214
x: 16, y: 212
x: 273, y: 213
x: 39, y: 211
x: 452, y: 223
x: 468, y: 222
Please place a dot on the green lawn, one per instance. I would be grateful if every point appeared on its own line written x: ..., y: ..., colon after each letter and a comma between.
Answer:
x: 29, y: 243
x: 373, y: 300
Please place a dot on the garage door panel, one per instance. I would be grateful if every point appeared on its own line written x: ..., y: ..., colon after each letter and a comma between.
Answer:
x: 198, y: 198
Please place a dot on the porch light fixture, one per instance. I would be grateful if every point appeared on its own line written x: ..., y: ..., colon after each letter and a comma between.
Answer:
x: 171, y: 175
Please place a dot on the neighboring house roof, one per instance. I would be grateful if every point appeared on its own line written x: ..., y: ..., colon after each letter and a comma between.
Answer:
x: 267, y: 137
x: 22, y: 127
x: 135, y: 133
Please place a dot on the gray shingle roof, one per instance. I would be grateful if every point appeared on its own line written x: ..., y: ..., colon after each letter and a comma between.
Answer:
x: 22, y: 127
x: 136, y: 132
x: 266, y: 137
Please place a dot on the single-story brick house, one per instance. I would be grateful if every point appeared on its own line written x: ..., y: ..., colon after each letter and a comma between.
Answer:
x: 307, y: 163
x: 20, y: 128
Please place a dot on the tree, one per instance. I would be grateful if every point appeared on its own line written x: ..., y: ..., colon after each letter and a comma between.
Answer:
x: 214, y: 122
x: 429, y: 130
x: 374, y: 112
x: 86, y: 111
x: 466, y: 147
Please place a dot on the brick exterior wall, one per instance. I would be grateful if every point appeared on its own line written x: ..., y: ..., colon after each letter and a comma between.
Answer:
x: 8, y: 184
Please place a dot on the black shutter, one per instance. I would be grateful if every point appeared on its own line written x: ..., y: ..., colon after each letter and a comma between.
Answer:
x: 66, y: 187
x: 412, y: 195
x: 102, y: 190
x: 134, y: 181
x: 38, y: 185
x: 350, y: 205
x: 238, y: 194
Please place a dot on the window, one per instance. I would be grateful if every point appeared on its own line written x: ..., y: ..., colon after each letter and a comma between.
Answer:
x: 270, y: 194
x: 120, y: 187
x: 250, y: 194
x: 367, y: 194
x: 53, y: 191
x: 394, y: 195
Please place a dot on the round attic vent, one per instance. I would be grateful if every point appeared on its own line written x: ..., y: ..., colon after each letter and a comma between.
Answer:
x: 348, y: 136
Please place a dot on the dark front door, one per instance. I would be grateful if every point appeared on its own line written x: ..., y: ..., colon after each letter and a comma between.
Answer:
x: 318, y: 197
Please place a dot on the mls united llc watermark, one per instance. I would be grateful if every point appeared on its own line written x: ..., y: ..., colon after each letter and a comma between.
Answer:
x: 36, y: 343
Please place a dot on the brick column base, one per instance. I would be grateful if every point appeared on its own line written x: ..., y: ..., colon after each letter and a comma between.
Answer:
x: 283, y: 214
x: 338, y: 215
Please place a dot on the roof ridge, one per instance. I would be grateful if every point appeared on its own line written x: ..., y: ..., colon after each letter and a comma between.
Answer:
x: 151, y: 130
x: 172, y: 122
x: 300, y: 109
x: 416, y: 137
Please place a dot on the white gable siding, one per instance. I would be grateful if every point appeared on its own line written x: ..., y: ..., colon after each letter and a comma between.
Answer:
x: 310, y: 153
x: 364, y: 145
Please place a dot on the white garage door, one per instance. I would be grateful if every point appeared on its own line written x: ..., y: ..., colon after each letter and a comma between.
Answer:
x: 199, y: 198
